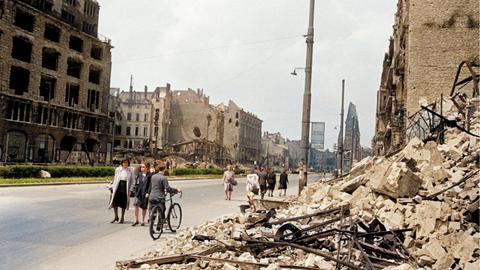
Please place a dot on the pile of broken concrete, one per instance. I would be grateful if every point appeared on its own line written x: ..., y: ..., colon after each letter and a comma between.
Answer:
x: 416, y: 209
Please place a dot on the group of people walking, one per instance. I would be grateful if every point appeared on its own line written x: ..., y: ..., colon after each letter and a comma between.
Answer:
x: 146, y: 187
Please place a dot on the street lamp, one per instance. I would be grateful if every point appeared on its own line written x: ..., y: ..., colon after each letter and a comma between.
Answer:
x: 294, y: 72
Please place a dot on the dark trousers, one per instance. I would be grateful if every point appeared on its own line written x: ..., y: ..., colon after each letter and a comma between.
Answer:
x: 161, y: 205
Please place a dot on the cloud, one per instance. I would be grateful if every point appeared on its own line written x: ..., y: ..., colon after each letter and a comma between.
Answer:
x: 245, y: 50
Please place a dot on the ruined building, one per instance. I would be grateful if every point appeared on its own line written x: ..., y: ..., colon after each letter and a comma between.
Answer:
x: 54, y: 83
x: 352, y: 150
x: 141, y: 119
x: 430, y: 39
x: 242, y: 134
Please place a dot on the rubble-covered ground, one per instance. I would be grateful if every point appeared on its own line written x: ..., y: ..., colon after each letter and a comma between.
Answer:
x: 416, y: 209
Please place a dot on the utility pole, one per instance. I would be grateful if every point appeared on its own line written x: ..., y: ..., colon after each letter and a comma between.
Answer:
x: 340, y: 146
x: 307, y: 95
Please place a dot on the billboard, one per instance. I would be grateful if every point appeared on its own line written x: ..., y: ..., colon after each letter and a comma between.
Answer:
x: 318, y: 135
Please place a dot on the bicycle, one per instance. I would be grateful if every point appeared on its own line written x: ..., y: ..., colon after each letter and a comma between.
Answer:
x: 173, y: 218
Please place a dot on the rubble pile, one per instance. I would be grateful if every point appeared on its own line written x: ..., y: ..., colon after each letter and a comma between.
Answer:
x: 416, y: 209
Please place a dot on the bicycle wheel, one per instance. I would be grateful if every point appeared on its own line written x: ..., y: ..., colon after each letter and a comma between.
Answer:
x: 174, y: 217
x: 156, y: 223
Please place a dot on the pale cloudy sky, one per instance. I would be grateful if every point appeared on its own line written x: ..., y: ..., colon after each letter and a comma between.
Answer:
x: 245, y: 50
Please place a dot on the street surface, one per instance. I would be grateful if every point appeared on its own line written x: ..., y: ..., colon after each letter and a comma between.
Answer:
x: 68, y: 227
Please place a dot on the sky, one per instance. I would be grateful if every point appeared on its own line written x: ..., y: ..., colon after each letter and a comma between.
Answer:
x: 245, y: 50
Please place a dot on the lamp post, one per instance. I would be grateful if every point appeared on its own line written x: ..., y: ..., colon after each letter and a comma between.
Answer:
x: 307, y: 95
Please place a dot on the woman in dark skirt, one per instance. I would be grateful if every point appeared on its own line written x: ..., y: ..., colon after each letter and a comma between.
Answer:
x: 121, y: 188
x: 283, y: 183
x: 142, y: 185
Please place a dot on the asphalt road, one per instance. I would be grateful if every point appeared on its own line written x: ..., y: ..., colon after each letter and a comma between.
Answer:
x: 67, y: 227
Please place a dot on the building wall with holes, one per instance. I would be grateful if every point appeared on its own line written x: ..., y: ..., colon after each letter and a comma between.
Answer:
x: 54, y: 87
x: 441, y: 34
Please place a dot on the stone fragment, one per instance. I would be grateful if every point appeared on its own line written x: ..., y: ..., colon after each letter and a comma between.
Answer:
x: 400, y: 182
x: 352, y: 184
x: 44, y: 174
x: 228, y: 266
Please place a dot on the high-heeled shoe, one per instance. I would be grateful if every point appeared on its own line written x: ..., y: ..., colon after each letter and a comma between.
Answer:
x: 115, y: 219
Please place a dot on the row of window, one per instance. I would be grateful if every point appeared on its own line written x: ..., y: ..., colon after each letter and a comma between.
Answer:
x: 20, y: 79
x: 137, y: 117
x: 26, y: 21
x: 25, y: 112
x: 22, y: 50
x: 128, y: 131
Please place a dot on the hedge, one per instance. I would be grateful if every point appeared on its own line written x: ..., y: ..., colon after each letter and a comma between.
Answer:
x: 32, y: 171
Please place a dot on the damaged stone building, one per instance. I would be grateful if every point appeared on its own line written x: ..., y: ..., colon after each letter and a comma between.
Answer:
x: 54, y: 83
x: 242, y: 133
x: 430, y: 39
x: 141, y: 119
x: 352, y: 149
x: 275, y: 150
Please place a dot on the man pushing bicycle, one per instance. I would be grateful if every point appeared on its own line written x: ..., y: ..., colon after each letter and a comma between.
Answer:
x: 159, y: 188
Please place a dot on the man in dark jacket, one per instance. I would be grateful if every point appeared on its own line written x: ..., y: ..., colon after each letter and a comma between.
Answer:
x: 262, y: 180
x: 159, y: 187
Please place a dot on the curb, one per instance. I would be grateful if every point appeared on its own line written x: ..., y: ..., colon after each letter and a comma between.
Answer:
x: 94, y: 182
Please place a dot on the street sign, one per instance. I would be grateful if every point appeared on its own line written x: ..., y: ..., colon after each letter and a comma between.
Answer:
x: 318, y: 135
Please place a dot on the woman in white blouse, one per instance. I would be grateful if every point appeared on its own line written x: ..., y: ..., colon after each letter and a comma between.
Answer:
x: 121, y: 189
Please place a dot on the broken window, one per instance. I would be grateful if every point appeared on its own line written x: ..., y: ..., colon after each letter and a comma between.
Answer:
x: 24, y: 20
x: 72, y: 93
x: 127, y: 132
x: 50, y: 58
x: 76, y: 43
x: 129, y: 117
x: 16, y: 146
x: 89, y: 28
x: 71, y: 120
x: 116, y: 143
x: 94, y: 75
x: 93, y: 100
x: 136, y: 131
x: 47, y: 87
x: 90, y: 8
x: 137, y: 117
x: 21, y: 49
x: 96, y: 52
x: 90, y: 124
x: 118, y: 130
x: 74, y: 67
x: 46, y: 116
x: 18, y: 111
x: 68, y: 17
x: 52, y: 33
x: 19, y: 80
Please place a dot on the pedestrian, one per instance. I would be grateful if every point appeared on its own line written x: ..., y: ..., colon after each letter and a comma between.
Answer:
x: 271, y: 181
x: 121, y: 189
x: 168, y: 165
x: 228, y: 182
x: 283, y: 183
x: 252, y: 188
x: 159, y: 188
x: 262, y: 180
x: 142, y: 185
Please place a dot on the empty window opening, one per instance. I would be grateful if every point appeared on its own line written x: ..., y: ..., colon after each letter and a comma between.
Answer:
x: 90, y: 124
x: 24, y: 20
x: 76, y: 43
x: 96, y: 52
x: 71, y: 120
x: 137, y: 117
x: 18, y: 111
x: 136, y: 131
x: 46, y: 116
x: 74, y: 67
x: 129, y: 117
x: 68, y: 17
x: 89, y: 28
x: 94, y: 75
x: 145, y: 131
x: 72, y: 93
x: 21, y: 49
x: 70, y: 2
x: 93, y: 100
x: 118, y: 130
x: 47, y: 88
x: 50, y: 58
x: 19, y: 80
x: 52, y: 33
x: 127, y: 131
x: 145, y: 118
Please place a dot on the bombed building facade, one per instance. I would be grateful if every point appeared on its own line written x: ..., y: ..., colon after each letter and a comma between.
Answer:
x: 141, y: 119
x: 352, y: 149
x: 430, y: 39
x: 54, y: 83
